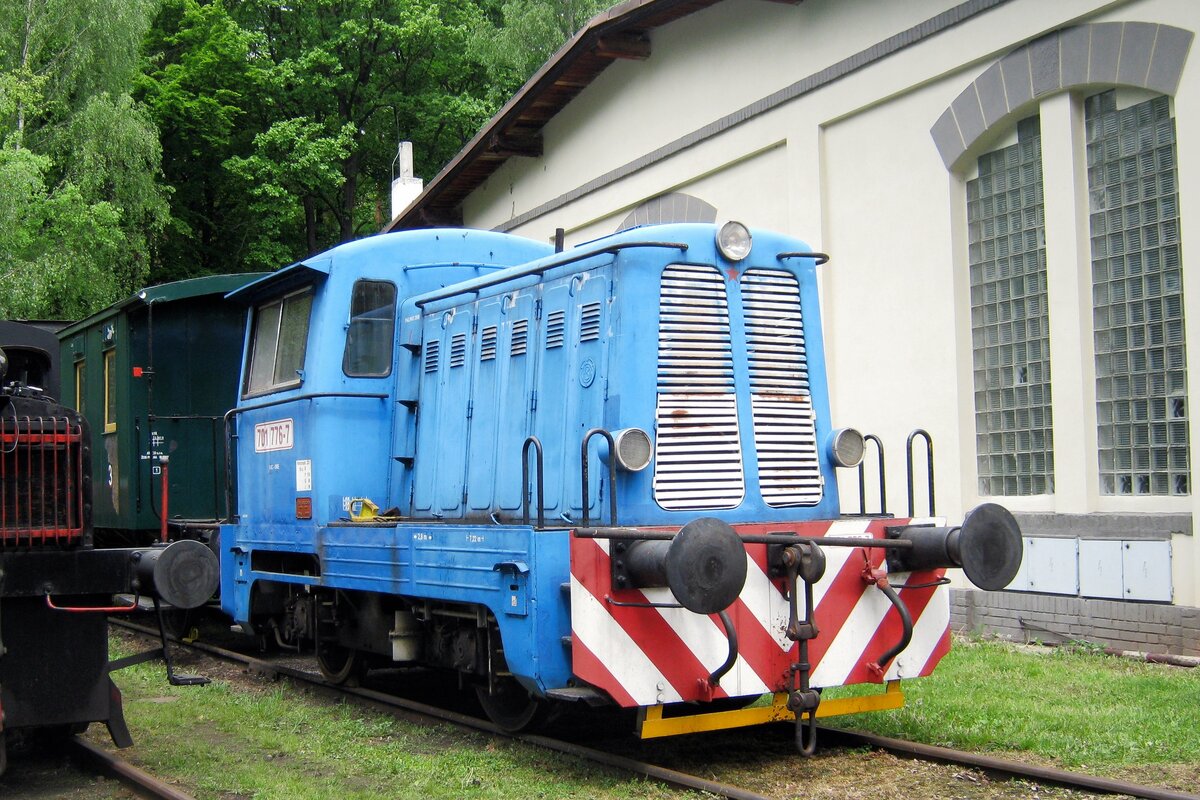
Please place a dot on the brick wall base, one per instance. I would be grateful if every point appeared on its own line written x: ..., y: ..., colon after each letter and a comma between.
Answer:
x: 1026, y: 617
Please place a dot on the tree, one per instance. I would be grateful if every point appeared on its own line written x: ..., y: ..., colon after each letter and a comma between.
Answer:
x: 280, y: 121
x: 523, y: 34
x: 346, y: 80
x: 54, y: 244
x: 197, y: 84
x: 79, y: 159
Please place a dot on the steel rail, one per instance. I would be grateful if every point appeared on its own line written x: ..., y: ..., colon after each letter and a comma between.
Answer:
x: 142, y: 783
x: 1005, y: 767
x: 391, y: 703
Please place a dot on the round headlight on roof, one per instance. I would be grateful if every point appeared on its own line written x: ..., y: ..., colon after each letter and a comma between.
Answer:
x: 845, y: 447
x: 733, y: 240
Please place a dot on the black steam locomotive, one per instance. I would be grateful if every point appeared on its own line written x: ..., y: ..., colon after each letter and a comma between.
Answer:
x: 56, y: 584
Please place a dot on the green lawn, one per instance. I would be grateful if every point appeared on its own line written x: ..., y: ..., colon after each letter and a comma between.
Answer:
x: 1071, y: 705
x: 241, y: 739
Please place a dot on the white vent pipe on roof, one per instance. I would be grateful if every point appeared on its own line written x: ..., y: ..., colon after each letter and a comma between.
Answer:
x: 405, y: 187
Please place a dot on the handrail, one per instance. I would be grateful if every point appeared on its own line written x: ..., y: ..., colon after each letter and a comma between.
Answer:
x: 928, y: 470
x: 862, y: 486
x: 612, y: 475
x: 820, y: 258
x: 230, y: 513
x: 500, y: 277
x: 537, y: 445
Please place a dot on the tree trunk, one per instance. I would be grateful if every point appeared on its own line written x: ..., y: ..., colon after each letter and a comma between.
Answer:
x: 350, y: 169
x: 310, y: 224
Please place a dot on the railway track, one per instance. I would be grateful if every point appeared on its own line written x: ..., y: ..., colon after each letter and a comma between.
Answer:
x: 996, y: 767
x: 142, y: 783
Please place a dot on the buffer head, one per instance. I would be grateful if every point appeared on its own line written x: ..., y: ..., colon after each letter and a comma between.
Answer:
x: 706, y: 566
x: 990, y: 547
x: 185, y: 573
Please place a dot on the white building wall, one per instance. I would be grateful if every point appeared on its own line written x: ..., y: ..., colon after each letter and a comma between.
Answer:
x: 851, y: 168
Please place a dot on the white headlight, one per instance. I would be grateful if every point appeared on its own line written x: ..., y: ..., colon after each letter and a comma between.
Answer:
x: 634, y: 449
x: 846, y: 447
x: 733, y: 240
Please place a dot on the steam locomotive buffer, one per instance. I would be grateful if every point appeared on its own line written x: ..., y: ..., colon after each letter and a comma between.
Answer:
x: 56, y: 585
x: 607, y: 475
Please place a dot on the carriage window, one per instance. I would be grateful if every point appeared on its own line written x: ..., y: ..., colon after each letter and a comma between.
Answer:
x: 110, y: 391
x: 278, y: 344
x: 372, y: 326
x: 80, y: 376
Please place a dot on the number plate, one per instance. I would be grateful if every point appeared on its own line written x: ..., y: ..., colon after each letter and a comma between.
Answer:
x: 275, y: 435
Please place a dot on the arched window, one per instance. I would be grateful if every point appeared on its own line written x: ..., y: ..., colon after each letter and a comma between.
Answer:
x: 1099, y: 96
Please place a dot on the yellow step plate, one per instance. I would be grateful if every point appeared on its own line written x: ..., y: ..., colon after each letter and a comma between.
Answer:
x: 652, y: 724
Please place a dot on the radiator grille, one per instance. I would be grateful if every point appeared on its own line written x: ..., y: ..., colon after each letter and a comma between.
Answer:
x: 774, y: 332
x: 41, y: 481
x: 698, y: 453
x: 694, y: 350
x: 698, y: 458
x: 784, y: 424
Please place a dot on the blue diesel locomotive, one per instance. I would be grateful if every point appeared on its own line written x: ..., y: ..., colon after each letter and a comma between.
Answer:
x: 602, y: 475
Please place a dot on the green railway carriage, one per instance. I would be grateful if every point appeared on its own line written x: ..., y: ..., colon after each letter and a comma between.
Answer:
x: 155, y: 374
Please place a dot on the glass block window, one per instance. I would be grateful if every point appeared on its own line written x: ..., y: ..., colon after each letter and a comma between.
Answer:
x: 1010, y: 334
x: 1141, y: 380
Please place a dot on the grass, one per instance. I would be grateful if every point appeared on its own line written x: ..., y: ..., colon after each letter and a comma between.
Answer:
x: 240, y: 739
x: 1070, y: 705
x: 228, y: 740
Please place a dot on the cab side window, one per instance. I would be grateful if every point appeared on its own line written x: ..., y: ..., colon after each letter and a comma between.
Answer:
x: 278, y: 344
x: 368, y: 351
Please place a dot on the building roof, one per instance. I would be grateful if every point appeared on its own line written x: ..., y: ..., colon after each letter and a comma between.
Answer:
x: 622, y: 32
x: 165, y: 293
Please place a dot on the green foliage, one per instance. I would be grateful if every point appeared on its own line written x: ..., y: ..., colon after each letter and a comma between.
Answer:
x: 197, y: 85
x: 54, y: 245
x: 82, y: 226
x: 526, y: 34
x: 362, y: 75
x: 280, y: 123
x: 1074, y: 707
x: 154, y: 140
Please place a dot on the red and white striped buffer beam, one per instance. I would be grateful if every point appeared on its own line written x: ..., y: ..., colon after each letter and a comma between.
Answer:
x: 644, y: 656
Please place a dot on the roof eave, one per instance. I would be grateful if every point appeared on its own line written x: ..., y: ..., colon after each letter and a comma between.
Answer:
x: 630, y: 16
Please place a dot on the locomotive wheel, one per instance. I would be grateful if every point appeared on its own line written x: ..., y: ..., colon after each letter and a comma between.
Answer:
x: 339, y: 665
x: 178, y: 622
x: 512, y: 708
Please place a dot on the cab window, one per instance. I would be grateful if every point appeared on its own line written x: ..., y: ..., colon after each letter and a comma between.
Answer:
x: 368, y: 351
x: 278, y: 343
